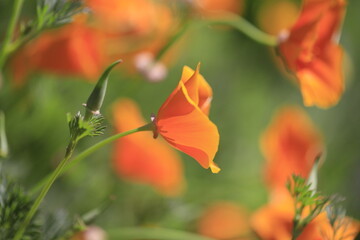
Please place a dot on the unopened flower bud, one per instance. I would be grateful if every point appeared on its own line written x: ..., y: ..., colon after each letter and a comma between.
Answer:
x: 97, y: 96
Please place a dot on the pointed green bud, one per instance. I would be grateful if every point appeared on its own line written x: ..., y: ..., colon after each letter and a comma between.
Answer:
x: 4, y: 148
x: 97, y: 96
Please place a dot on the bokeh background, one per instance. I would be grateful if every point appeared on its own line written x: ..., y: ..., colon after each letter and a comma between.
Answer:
x: 248, y: 89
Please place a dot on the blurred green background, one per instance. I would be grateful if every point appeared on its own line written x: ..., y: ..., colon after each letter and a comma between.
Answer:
x: 248, y: 89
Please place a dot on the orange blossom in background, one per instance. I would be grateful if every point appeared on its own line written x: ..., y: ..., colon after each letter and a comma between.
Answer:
x: 140, y: 158
x: 224, y: 220
x: 74, y: 49
x: 310, y: 49
x: 217, y: 8
x: 274, y: 221
x: 290, y: 145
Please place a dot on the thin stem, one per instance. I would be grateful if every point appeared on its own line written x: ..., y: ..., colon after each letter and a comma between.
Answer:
x: 45, y: 190
x: 10, y: 31
x: 245, y: 27
x: 90, y: 150
x: 232, y: 20
x: 172, y: 41
x: 48, y: 181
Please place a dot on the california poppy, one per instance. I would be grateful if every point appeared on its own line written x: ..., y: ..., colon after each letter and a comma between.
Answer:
x: 183, y: 120
x: 274, y: 221
x: 290, y: 145
x: 140, y: 158
x: 310, y: 49
x: 75, y: 49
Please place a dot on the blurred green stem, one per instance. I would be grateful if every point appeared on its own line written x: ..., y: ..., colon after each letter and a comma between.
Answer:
x: 245, y: 27
x: 134, y: 233
x: 172, y: 41
x: 4, y: 52
x: 63, y: 166
x: 231, y: 20
x: 69, y: 150
x: 90, y: 150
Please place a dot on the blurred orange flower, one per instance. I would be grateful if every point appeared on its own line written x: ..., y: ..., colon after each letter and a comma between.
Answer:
x: 133, y: 26
x: 310, y: 49
x: 224, y: 220
x: 214, y: 8
x: 183, y: 120
x: 290, y: 145
x: 140, y: 158
x: 275, y: 222
x: 74, y: 49
x: 277, y: 15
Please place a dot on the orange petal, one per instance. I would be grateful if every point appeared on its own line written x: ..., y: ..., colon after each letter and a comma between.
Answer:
x: 322, y: 81
x: 140, y: 158
x: 274, y: 220
x: 185, y: 126
x: 74, y: 49
x: 224, y: 220
x: 312, y: 53
x: 218, y: 8
x: 203, y: 92
x: 290, y: 145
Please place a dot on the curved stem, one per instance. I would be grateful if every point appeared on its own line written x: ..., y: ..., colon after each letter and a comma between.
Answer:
x: 90, y: 150
x: 63, y: 166
x: 231, y: 20
x: 172, y: 41
x: 43, y: 193
x: 245, y: 27
x: 10, y: 31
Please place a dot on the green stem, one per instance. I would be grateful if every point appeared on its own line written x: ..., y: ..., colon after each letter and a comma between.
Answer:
x: 90, y: 150
x: 10, y: 31
x: 63, y: 166
x: 133, y: 233
x: 231, y: 20
x: 45, y: 190
x: 172, y: 41
x: 245, y: 27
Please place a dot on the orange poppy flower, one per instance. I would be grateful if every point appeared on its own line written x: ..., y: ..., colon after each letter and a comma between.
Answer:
x: 140, y: 158
x: 290, y: 145
x: 275, y: 222
x: 135, y: 29
x: 214, y: 8
x: 310, y: 49
x: 183, y: 120
x: 74, y: 49
x: 224, y: 220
